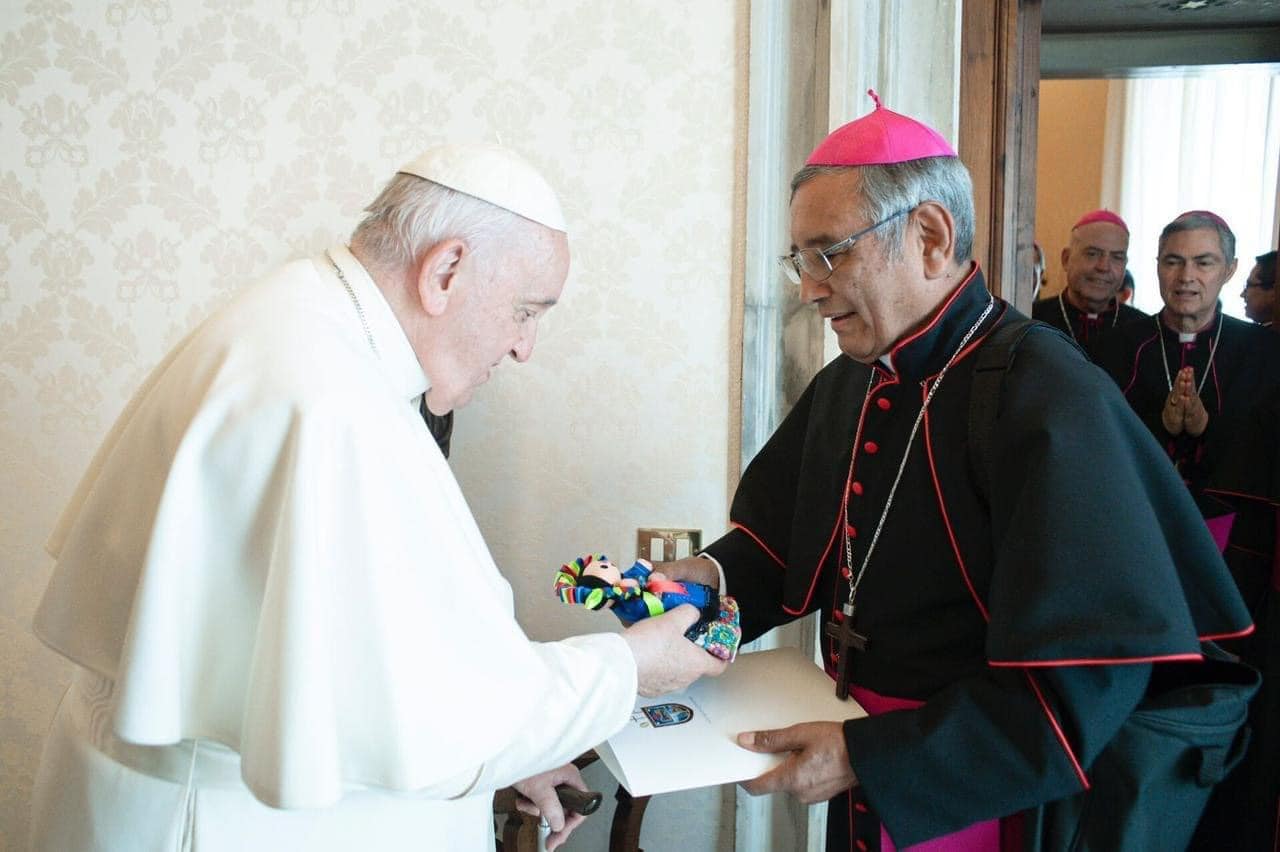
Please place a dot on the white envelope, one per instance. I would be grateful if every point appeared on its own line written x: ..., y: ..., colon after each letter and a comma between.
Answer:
x: 688, y: 739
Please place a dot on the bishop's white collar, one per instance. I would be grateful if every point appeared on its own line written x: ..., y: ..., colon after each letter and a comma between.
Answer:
x: 395, y: 356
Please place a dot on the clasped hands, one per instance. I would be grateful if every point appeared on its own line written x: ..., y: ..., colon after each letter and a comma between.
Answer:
x: 1183, y: 410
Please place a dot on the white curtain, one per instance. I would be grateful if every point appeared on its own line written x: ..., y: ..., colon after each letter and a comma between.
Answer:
x: 1209, y: 141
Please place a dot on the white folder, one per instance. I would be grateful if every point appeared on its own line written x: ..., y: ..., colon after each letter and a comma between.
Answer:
x: 688, y: 739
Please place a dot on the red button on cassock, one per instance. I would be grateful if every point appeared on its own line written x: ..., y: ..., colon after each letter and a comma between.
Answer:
x: 883, y: 403
x: 856, y: 488
x: 871, y: 447
x: 851, y: 531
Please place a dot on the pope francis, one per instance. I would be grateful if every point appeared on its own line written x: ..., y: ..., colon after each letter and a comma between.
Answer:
x: 288, y: 631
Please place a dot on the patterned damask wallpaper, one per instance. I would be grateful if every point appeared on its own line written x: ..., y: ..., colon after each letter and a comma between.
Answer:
x: 155, y: 155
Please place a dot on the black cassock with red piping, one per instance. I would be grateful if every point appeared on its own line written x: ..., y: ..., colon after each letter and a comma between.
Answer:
x: 1025, y: 621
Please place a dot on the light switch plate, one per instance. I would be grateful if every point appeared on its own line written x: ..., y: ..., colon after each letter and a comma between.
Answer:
x: 663, y: 544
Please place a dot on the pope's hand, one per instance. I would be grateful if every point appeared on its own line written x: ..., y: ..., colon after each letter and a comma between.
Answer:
x: 816, y: 767
x: 665, y: 660
x: 692, y: 569
x: 540, y: 799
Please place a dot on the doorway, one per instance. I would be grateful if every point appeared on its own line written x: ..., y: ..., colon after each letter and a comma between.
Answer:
x: 1149, y: 109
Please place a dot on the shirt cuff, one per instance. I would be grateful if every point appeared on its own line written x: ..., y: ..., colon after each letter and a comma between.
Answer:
x: 724, y: 586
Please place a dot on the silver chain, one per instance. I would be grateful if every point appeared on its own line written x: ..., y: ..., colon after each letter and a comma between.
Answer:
x: 848, y: 546
x: 1066, y: 319
x: 1164, y: 357
x: 364, y: 323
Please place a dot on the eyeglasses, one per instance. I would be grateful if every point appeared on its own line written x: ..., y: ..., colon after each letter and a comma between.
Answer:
x: 816, y: 263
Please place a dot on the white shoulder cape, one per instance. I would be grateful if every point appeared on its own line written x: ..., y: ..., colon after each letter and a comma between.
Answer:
x: 268, y: 550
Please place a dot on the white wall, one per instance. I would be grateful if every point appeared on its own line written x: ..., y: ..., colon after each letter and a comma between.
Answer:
x: 157, y: 154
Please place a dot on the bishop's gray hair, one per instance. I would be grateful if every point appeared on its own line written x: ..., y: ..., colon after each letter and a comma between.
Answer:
x: 1195, y: 221
x: 886, y: 189
x: 412, y: 214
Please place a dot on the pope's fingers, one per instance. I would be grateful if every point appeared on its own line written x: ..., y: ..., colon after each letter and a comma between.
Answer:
x: 556, y: 838
x: 684, y: 615
x: 715, y: 666
x: 538, y: 795
x: 545, y: 803
x: 691, y: 568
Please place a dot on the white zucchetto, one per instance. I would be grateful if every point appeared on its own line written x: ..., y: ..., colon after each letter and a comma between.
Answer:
x: 493, y: 174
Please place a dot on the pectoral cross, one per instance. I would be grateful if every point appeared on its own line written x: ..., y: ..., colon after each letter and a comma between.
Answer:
x: 840, y: 631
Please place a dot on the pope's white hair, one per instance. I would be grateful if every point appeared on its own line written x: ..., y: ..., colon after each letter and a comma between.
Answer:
x: 411, y: 215
x: 886, y: 189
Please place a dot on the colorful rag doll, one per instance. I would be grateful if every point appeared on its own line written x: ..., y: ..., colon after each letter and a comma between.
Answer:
x: 639, y: 592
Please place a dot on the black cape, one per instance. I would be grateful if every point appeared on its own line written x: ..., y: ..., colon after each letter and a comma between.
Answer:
x: 1231, y: 467
x: 1083, y: 328
x: 1027, y: 626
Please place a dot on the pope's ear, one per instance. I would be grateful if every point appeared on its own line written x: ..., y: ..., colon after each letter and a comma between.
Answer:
x: 437, y: 275
x: 937, y: 231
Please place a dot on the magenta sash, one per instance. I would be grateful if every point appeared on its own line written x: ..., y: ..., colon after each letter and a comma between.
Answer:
x: 1220, y: 529
x: 979, y: 837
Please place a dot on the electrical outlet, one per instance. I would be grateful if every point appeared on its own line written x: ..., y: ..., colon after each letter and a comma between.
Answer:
x: 663, y: 544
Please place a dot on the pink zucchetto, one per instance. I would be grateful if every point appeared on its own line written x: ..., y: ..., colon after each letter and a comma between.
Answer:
x: 1101, y: 216
x: 1206, y: 214
x: 879, y: 138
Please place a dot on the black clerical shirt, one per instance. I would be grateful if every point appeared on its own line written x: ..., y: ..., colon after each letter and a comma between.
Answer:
x: 1084, y: 328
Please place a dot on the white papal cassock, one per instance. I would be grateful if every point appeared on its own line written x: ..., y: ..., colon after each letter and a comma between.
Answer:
x: 290, y: 632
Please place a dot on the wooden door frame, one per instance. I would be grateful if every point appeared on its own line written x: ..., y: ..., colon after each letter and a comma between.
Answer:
x: 999, y: 111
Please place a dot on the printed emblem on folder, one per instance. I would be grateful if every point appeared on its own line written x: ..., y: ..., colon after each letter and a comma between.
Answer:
x: 665, y: 715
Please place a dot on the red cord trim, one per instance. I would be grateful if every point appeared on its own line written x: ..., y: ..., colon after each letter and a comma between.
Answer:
x: 1137, y: 356
x: 1243, y: 495
x: 1057, y: 729
x: 946, y: 520
x: 941, y: 312
x: 1214, y: 637
x: 759, y: 541
x: 817, y: 569
x: 1100, y: 661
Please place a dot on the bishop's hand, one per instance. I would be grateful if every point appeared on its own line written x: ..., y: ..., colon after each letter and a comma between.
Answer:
x: 1195, y: 419
x: 1171, y: 415
x: 816, y: 767
x: 665, y: 660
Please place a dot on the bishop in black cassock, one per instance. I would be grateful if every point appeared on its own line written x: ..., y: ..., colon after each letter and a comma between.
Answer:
x: 1094, y: 263
x: 1003, y: 641
x: 1205, y: 386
